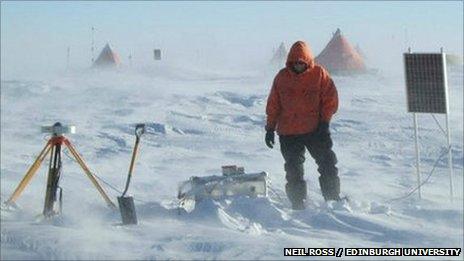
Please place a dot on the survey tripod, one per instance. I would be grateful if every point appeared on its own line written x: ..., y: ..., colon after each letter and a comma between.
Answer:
x: 54, y: 148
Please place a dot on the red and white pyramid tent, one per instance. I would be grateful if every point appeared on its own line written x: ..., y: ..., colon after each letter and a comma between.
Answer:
x: 339, y: 56
x: 107, y: 58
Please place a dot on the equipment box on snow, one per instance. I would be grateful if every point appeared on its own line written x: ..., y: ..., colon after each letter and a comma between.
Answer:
x: 230, y: 184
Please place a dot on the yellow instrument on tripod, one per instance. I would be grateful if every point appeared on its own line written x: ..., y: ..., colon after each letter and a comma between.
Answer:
x: 54, y: 148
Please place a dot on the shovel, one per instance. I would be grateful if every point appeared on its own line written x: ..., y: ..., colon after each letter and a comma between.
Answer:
x: 126, y: 204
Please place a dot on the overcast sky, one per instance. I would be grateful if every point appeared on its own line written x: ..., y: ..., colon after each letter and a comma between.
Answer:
x: 37, y: 34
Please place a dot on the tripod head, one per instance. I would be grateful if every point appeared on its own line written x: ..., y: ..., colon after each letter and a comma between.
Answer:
x: 58, y: 129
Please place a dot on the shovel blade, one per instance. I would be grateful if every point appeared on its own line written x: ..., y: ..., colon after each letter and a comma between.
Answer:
x: 127, y: 209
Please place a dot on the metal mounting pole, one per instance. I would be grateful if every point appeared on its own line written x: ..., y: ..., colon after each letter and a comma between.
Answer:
x: 448, y: 132
x: 450, y: 156
x: 93, y: 44
x: 67, y: 57
x: 416, y: 138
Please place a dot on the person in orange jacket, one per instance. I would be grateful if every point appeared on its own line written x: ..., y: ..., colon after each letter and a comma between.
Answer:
x: 301, y: 103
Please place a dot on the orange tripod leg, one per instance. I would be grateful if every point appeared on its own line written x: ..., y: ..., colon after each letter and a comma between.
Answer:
x: 89, y: 174
x: 29, y: 174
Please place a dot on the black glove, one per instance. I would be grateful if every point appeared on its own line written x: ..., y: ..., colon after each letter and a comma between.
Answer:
x: 270, y: 138
x: 323, y: 129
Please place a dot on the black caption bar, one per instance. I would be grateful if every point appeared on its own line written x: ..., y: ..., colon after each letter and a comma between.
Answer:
x: 372, y: 251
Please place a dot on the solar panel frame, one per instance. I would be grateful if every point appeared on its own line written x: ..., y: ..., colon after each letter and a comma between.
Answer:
x: 426, y: 82
x: 157, y: 54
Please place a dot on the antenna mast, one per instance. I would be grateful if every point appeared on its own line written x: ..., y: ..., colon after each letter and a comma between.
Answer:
x: 93, y: 44
x: 67, y: 57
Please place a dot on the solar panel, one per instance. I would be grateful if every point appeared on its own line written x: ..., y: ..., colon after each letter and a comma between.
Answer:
x: 157, y: 54
x: 426, y: 82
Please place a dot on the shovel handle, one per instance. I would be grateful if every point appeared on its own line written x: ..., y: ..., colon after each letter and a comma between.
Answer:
x: 139, y: 130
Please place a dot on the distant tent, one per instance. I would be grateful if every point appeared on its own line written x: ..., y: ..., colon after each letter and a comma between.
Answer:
x: 340, y: 57
x: 280, y: 55
x: 107, y: 58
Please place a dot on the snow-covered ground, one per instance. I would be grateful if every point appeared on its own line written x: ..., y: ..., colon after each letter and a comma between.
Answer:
x: 197, y: 122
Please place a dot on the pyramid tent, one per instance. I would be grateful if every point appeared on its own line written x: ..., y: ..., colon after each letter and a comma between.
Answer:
x: 280, y: 55
x: 340, y: 57
x: 107, y: 58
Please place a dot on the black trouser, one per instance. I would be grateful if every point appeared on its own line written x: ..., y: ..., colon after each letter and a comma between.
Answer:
x: 320, y: 148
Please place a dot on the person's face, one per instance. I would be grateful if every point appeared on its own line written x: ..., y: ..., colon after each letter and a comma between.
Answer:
x: 300, y: 66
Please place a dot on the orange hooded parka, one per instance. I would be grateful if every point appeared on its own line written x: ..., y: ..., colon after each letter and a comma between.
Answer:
x: 298, y: 102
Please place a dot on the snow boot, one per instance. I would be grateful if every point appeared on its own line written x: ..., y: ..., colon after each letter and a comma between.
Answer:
x: 296, y: 193
x: 330, y: 187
